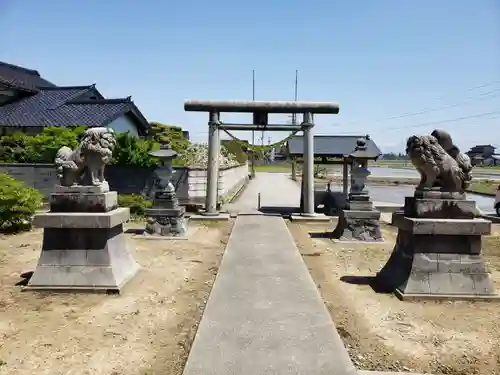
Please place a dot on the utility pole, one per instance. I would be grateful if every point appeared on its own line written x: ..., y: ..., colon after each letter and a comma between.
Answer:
x: 294, y: 122
x: 270, y: 151
x: 294, y: 115
x: 252, y: 161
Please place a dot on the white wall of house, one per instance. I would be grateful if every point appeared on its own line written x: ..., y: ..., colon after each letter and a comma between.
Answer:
x: 124, y: 124
x: 120, y: 125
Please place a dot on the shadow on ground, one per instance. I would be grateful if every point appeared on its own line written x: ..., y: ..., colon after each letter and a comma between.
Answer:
x: 279, y: 210
x: 135, y: 230
x: 327, y: 235
x: 25, y: 278
x: 366, y: 280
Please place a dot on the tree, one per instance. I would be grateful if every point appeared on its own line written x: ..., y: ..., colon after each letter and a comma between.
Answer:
x: 132, y: 151
x: 41, y: 148
x: 172, y: 135
x: 236, y: 149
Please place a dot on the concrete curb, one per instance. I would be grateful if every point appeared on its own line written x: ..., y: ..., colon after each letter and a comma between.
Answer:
x: 212, y: 218
x: 238, y: 192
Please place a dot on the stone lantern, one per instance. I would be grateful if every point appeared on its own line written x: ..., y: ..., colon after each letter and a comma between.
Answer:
x: 359, y: 171
x: 360, y: 222
x: 166, y: 217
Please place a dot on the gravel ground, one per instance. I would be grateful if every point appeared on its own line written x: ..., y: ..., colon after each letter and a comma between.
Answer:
x: 385, y: 334
x: 147, y: 330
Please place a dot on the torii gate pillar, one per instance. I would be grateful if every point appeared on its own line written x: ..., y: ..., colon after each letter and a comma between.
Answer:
x: 308, y: 167
x: 212, y: 165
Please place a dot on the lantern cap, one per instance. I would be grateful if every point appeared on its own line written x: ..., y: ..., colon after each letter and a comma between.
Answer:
x: 164, y: 152
x: 361, y: 149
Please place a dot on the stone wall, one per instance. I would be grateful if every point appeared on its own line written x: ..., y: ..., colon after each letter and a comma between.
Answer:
x: 190, y: 183
x: 195, y: 186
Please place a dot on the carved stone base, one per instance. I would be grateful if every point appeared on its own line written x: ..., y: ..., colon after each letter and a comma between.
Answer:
x: 358, y: 226
x: 439, y: 208
x: 168, y: 222
x: 437, y: 259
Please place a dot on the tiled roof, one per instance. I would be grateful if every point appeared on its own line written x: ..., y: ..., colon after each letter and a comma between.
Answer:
x: 22, y: 78
x: 331, y: 145
x: 68, y: 106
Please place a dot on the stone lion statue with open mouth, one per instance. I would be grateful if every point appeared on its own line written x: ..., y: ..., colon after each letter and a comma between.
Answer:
x: 440, y: 163
x: 85, y: 164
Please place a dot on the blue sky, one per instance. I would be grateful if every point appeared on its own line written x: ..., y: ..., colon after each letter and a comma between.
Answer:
x: 379, y: 59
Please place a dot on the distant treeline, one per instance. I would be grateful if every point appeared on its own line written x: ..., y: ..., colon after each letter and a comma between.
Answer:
x: 394, y: 156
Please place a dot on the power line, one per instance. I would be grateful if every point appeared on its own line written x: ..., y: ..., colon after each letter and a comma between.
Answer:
x: 438, y: 122
x: 492, y: 94
x: 479, y: 115
x: 451, y: 120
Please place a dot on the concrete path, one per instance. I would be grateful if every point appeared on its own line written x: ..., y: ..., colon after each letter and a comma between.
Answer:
x: 265, y: 315
x: 276, y: 190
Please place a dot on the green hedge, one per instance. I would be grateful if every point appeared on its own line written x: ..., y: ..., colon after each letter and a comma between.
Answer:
x: 133, y: 152
x: 129, y: 151
x: 136, y: 203
x: 18, y: 204
x: 42, y: 148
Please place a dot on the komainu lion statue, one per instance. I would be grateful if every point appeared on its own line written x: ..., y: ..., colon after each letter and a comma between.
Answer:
x: 85, y: 164
x: 440, y: 163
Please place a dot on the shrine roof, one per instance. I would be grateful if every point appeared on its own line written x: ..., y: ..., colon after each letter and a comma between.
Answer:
x: 333, y: 146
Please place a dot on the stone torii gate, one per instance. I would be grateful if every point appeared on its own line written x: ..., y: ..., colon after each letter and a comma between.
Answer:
x: 260, y: 110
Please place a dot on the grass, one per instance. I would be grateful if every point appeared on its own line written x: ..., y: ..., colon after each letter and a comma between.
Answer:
x: 406, y: 164
x: 274, y: 168
x: 398, y: 164
x: 488, y: 167
x: 488, y: 187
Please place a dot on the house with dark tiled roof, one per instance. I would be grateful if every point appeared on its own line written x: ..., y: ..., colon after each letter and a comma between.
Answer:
x: 28, y: 103
x: 331, y: 146
x: 483, y: 154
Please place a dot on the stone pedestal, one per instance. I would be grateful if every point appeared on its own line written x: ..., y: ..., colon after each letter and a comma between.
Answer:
x: 360, y: 222
x: 437, y: 254
x: 166, y: 217
x: 166, y: 221
x: 84, y: 247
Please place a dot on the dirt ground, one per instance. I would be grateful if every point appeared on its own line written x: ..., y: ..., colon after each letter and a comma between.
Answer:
x: 146, y: 330
x: 383, y: 333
